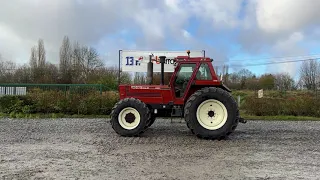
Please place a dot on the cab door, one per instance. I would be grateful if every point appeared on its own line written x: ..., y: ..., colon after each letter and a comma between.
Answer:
x: 182, y: 80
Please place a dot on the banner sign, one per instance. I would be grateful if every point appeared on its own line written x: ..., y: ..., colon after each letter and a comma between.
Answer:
x: 136, y: 61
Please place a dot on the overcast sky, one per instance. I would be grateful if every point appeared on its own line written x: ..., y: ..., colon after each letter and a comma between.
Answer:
x: 229, y: 30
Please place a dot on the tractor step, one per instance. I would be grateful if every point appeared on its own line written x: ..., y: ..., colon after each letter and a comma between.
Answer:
x: 176, y: 111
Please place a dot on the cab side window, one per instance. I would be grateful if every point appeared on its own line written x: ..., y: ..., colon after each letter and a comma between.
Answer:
x: 204, y: 72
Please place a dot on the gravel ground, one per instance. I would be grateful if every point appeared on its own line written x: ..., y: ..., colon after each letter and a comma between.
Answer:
x: 89, y: 149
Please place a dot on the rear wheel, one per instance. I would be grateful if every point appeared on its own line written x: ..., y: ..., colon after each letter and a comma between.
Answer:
x: 129, y: 117
x: 211, y: 113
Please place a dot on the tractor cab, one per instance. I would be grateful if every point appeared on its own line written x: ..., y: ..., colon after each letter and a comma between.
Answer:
x: 190, y: 74
x: 194, y: 72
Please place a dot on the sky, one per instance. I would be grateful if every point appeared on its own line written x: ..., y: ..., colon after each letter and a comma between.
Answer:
x: 232, y: 32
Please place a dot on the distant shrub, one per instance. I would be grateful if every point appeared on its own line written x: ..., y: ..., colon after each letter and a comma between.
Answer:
x: 302, y: 105
x: 15, y: 104
x: 262, y: 107
x: 59, y: 102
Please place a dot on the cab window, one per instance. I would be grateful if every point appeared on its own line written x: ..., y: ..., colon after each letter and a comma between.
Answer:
x: 204, y: 72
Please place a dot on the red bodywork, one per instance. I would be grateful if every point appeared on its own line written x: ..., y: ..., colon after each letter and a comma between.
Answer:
x: 165, y: 94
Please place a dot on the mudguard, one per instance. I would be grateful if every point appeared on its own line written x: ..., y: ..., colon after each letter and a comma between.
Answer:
x: 225, y: 88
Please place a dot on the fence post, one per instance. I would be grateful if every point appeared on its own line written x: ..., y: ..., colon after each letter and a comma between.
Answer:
x: 65, y: 90
x: 239, y: 100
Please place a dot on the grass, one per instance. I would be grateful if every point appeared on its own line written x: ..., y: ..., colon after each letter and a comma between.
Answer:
x: 246, y: 116
x: 280, y: 118
x: 50, y: 115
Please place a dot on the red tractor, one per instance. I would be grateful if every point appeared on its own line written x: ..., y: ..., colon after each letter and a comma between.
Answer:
x: 194, y: 93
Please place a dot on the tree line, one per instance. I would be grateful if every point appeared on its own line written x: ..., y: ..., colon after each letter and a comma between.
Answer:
x: 308, y: 79
x: 82, y: 64
x: 78, y: 64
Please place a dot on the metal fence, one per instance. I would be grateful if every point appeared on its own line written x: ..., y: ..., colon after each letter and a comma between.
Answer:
x: 24, y: 89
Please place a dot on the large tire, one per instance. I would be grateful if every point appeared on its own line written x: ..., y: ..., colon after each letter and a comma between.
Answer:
x: 129, y: 117
x: 211, y: 113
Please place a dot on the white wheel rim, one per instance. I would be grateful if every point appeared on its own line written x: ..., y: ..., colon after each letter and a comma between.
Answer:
x: 219, y: 116
x: 123, y: 120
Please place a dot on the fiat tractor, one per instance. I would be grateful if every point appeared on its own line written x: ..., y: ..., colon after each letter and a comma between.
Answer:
x: 194, y: 93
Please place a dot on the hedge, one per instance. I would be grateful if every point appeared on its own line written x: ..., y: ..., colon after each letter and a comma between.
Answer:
x: 289, y: 106
x: 92, y: 103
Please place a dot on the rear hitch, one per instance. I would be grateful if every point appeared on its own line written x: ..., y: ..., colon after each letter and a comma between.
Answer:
x: 242, y: 120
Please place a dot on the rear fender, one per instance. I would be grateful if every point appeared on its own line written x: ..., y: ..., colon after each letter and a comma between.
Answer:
x: 194, y: 88
x: 224, y: 87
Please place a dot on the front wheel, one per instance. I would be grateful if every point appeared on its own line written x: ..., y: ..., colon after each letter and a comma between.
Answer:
x: 129, y: 117
x: 211, y: 113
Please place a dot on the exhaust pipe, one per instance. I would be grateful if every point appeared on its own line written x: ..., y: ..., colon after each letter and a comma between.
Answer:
x: 162, y: 61
x: 150, y: 71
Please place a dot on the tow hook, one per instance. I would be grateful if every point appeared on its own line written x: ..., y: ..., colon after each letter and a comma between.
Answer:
x: 242, y: 120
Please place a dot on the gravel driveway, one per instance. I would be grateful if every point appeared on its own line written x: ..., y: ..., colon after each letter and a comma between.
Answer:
x: 89, y: 149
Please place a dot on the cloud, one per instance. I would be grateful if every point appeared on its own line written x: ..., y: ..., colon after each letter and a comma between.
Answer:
x: 85, y: 21
x: 282, y: 28
x: 290, y: 46
x: 290, y: 43
x: 219, y: 14
x: 222, y: 28
x: 274, y: 16
x: 11, y: 44
x: 279, y: 28
x: 90, y: 22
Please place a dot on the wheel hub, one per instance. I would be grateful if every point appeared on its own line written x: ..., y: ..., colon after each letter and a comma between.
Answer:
x: 130, y: 118
x: 211, y: 114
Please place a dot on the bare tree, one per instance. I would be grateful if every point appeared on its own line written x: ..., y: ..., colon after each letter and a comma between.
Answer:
x: 85, y: 61
x: 7, y: 70
x: 33, y: 58
x: 23, y: 75
x: 244, y: 75
x: 139, y: 78
x: 34, y: 64
x: 284, y: 82
x: 41, y: 54
x: 41, y: 62
x: 51, y: 73
x: 65, y: 66
x: 76, y: 63
x: 309, y: 74
x: 38, y: 62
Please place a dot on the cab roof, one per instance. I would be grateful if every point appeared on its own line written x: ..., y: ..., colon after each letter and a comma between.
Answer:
x: 187, y: 58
